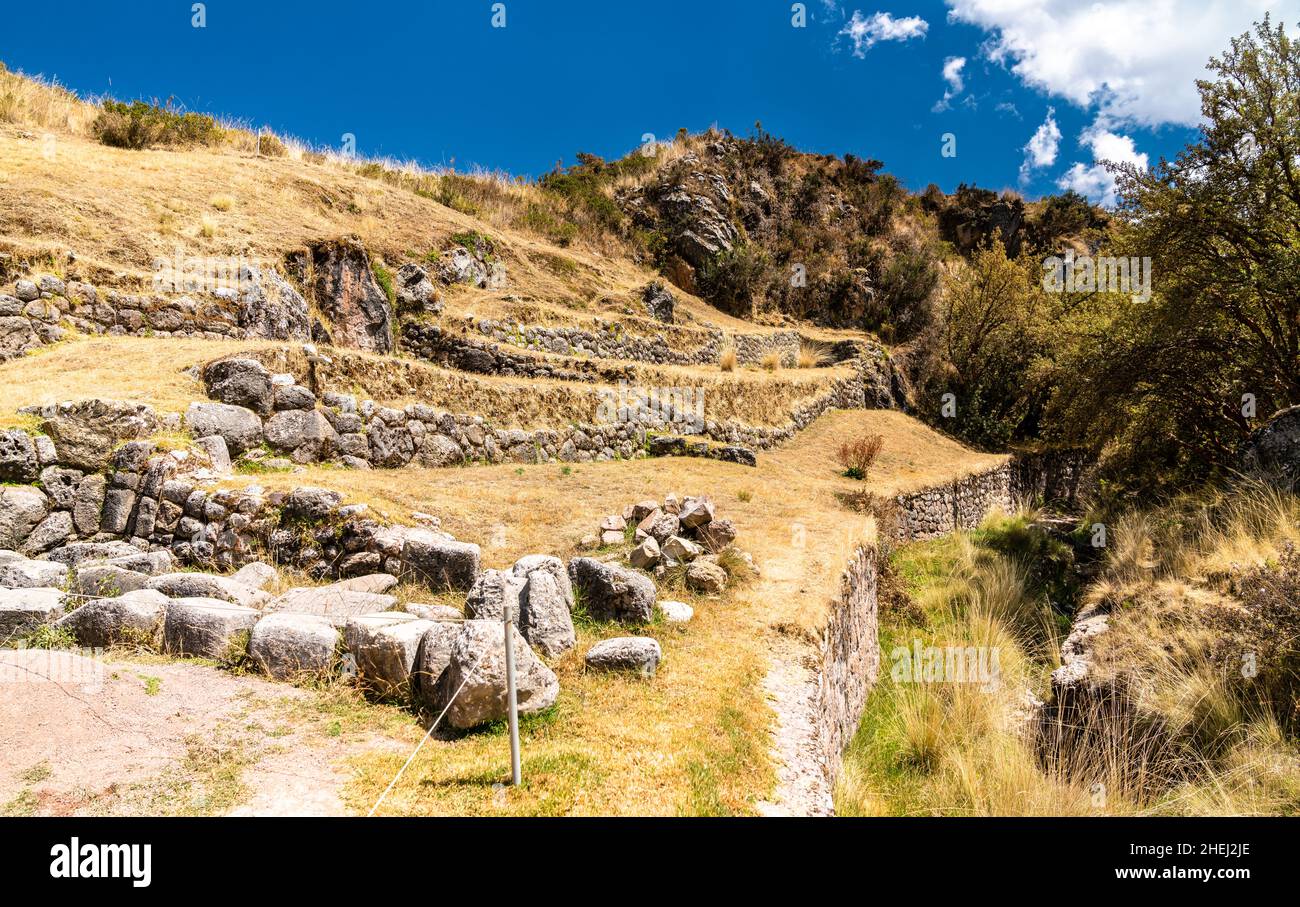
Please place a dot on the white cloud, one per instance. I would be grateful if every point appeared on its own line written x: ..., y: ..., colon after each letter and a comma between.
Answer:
x: 952, y: 67
x: 867, y: 32
x: 1040, y: 150
x: 1136, y: 60
x: 1095, y: 181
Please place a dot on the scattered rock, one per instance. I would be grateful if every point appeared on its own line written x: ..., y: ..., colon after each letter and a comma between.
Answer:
x: 625, y: 653
x: 676, y: 612
x: 240, y: 382
x: 477, y: 669
x: 208, y: 628
x: 612, y: 592
x: 646, y: 555
x: 440, y: 563
x: 706, y: 576
x: 384, y: 647
x: 133, y: 618
x: 25, y: 574
x: 23, y: 610
x: 432, y: 662
x: 288, y: 646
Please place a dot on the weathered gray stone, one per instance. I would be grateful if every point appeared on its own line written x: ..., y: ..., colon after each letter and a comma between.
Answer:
x: 415, y: 292
x: 118, y: 505
x: 440, y: 563
x: 433, y: 612
x: 477, y: 669
x: 680, y: 550
x: 22, y: 508
x: 438, y: 450
x: 625, y: 653
x: 206, y: 585
x: 696, y: 512
x: 337, y: 605
x: 391, y: 446
x: 23, y: 610
x: 239, y: 382
x: 18, y: 460
x: 239, y: 427
x: 491, y: 593
x: 544, y: 616
x: 254, y: 575
x: 217, y: 450
x: 270, y: 307
x: 77, y: 552
x: 53, y: 530
x: 61, y: 486
x: 134, y: 618
x: 305, y: 434
x: 384, y: 647
x: 150, y: 563
x: 208, y: 628
x: 374, y: 583
x: 107, y: 580
x: 27, y: 574
x: 432, y: 662
x: 89, y: 504
x: 311, y: 504
x: 87, y: 432
x: 289, y: 646
x: 675, y: 612
x: 717, y: 534
x: 612, y: 592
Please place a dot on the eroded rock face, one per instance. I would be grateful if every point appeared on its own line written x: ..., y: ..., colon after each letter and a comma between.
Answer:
x: 239, y: 382
x: 346, y: 291
x: 22, y: 509
x: 477, y: 668
x: 271, y: 308
x: 18, y: 461
x: 416, y: 293
x: 385, y: 647
x: 207, y: 628
x: 86, y: 433
x: 305, y: 434
x: 1274, y: 449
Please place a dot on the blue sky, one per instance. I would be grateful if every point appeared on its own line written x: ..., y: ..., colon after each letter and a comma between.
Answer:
x: 434, y: 81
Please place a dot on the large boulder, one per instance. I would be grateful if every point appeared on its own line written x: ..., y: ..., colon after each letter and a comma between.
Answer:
x: 257, y: 575
x: 347, y: 293
x: 269, y: 307
x: 305, y: 434
x: 545, y: 604
x: 613, y: 592
x: 23, y: 610
x: 86, y: 433
x: 310, y: 504
x: 432, y: 663
x: 53, y: 530
x: 16, y: 337
x: 239, y: 426
x: 89, y: 504
x: 239, y: 382
x: 134, y: 618
x: 208, y: 628
x: 440, y: 563
x: 491, y: 593
x: 206, y: 585
x: 288, y: 646
x: 659, y: 301
x: 107, y: 580
x: 1274, y: 449
x: 22, y: 510
x: 476, y: 676
x: 640, y: 654
x: 337, y: 605
x: 384, y: 647
x: 416, y: 294
x: 25, y: 574
x: 18, y: 460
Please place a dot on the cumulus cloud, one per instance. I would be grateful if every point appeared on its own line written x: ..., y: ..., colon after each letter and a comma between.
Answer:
x: 866, y: 32
x: 1040, y: 150
x: 1095, y: 181
x: 952, y: 67
x: 1136, y: 60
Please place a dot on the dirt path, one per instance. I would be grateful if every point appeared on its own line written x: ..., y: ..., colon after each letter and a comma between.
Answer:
x: 85, y: 736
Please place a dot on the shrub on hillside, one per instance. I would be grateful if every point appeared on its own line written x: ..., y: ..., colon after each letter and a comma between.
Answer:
x: 140, y: 125
x: 857, y: 455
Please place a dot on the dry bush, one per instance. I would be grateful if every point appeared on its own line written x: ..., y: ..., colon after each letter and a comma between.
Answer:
x: 222, y: 202
x: 813, y: 354
x: 771, y: 361
x: 858, y: 454
x: 727, y: 361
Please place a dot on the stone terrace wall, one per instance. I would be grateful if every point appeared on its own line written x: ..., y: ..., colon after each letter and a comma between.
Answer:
x: 849, y: 651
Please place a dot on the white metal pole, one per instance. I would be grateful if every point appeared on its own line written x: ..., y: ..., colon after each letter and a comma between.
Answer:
x: 511, y: 702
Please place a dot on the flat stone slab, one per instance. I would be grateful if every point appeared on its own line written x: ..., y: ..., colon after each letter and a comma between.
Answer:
x: 207, y: 628
x: 32, y: 574
x: 23, y: 610
x: 639, y: 654
x: 207, y: 585
x: 338, y: 605
x: 288, y: 646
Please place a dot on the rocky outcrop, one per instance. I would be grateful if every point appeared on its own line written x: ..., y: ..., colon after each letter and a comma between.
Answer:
x: 345, y: 291
x: 1273, y: 450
